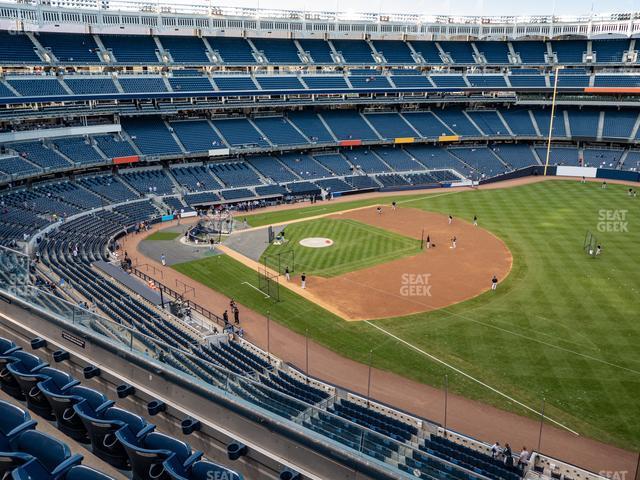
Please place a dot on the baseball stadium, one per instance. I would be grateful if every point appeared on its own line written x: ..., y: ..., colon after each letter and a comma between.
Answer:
x: 243, y: 243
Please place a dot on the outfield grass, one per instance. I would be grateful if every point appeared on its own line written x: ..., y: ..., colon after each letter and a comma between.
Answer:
x: 562, y: 326
x: 355, y: 246
x: 163, y: 236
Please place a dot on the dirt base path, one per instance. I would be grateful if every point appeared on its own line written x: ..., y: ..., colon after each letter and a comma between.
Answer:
x: 437, y: 277
x: 473, y: 418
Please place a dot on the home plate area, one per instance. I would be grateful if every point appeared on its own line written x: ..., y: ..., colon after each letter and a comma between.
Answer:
x: 316, y: 242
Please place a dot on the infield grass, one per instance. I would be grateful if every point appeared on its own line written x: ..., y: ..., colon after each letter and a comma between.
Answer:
x: 563, y: 326
x: 355, y: 246
x: 163, y: 236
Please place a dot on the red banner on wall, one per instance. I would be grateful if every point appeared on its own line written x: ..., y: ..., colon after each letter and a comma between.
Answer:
x: 129, y: 159
x: 350, y: 143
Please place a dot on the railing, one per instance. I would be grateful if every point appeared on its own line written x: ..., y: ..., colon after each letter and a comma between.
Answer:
x: 209, y: 315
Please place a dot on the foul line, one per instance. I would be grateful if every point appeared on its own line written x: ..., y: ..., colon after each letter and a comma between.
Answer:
x: 457, y: 370
x: 257, y: 289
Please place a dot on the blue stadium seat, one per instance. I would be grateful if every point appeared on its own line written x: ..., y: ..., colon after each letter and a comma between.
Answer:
x: 142, y: 84
x: 458, y: 122
x: 569, y: 51
x: 113, y: 146
x: 13, y: 421
x: 278, y: 50
x: 190, y: 84
x: 609, y: 80
x: 197, y: 135
x: 89, y: 85
x: 409, y: 81
x: 82, y: 472
x: 151, y: 136
x: 189, y: 50
x: 71, y: 47
x: 427, y: 124
x: 449, y: 81
x: 78, y: 150
x: 319, y: 50
x: 280, y: 82
x: 17, y: 49
x: 279, y: 131
x: 495, y: 53
x: 369, y: 81
x: 530, y: 81
x: 38, y: 87
x: 310, y: 124
x: 519, y: 122
x: 517, y: 156
x: 102, y: 427
x: 148, y: 453
x: 334, y: 162
x: 390, y: 125
x: 531, y: 52
x: 489, y: 122
x: 28, y: 382
x: 348, y: 125
x: 231, y: 83
x: 304, y: 166
x: 24, y: 362
x: 428, y: 50
x: 487, y: 80
x: 63, y: 399
x: 354, y: 51
x: 460, y: 52
x: 610, y: 50
x: 51, y: 459
x: 235, y: 51
x: 619, y: 123
x: 238, y: 132
x: 133, y: 49
x: 395, y: 52
x: 325, y: 82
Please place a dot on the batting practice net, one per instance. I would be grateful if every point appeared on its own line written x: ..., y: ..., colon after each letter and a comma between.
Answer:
x: 269, y: 283
x: 280, y: 261
x: 590, y: 244
x: 272, y: 266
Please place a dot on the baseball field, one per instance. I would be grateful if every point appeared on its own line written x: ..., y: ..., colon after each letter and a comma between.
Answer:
x: 563, y: 326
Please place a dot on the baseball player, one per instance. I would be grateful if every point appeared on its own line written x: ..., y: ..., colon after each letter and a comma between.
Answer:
x: 450, y: 219
x: 287, y: 275
x: 494, y: 283
x: 303, y: 280
x: 453, y: 242
x: 379, y: 210
x: 475, y: 220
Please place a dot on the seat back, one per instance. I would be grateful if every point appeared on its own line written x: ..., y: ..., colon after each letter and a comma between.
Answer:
x: 82, y: 472
x: 11, y: 416
x: 49, y: 451
x: 145, y: 462
x: 160, y: 441
x: 6, y: 345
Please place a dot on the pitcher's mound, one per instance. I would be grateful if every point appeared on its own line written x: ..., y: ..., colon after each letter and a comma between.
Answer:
x: 316, y: 242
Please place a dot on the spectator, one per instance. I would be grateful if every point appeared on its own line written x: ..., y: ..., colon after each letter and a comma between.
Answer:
x: 508, y: 455
x: 523, y: 461
x: 496, y: 449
